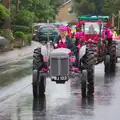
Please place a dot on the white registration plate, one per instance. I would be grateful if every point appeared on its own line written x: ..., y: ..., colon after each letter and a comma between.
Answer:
x: 57, y: 78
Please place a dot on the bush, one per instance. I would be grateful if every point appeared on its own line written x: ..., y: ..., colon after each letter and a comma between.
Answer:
x: 29, y: 39
x: 7, y: 33
x: 19, y: 35
x: 4, y: 13
x: 4, y: 16
x: 24, y: 18
x: 19, y: 39
x: 23, y: 29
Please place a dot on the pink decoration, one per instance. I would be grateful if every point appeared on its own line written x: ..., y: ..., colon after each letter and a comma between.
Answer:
x: 44, y: 70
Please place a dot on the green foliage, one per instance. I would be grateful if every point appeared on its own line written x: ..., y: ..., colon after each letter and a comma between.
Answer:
x: 29, y: 38
x: 99, y: 6
x: 111, y: 6
x: 19, y: 35
x: 4, y: 13
x: 24, y: 18
x: 22, y: 39
x: 84, y: 7
x: 96, y: 7
x: 43, y: 9
x: 7, y: 33
x: 23, y: 29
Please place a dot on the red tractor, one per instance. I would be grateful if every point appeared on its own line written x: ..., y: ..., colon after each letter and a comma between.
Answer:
x: 98, y: 47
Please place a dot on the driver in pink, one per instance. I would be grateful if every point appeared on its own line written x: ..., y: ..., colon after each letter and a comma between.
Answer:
x: 63, y: 40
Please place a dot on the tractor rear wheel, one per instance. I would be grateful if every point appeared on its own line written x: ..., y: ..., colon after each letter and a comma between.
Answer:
x: 84, y: 84
x: 88, y: 63
x: 113, y: 57
x: 107, y: 64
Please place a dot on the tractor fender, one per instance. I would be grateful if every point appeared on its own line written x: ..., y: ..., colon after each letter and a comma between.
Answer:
x: 82, y: 51
x: 44, y: 50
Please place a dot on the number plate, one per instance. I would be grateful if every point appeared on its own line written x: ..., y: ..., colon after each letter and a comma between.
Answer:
x: 57, y: 78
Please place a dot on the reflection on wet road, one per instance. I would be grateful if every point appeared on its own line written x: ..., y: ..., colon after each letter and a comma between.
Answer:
x: 61, y: 102
x: 14, y: 71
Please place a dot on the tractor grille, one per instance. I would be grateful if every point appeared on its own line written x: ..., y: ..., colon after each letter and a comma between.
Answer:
x: 65, y: 67
x: 54, y: 67
x: 59, y: 66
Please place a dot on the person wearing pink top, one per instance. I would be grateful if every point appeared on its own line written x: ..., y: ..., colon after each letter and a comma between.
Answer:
x: 109, y: 33
x: 79, y: 35
x: 63, y: 40
x: 109, y: 36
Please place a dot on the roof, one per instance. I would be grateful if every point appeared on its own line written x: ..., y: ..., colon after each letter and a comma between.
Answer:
x: 65, y: 3
x: 94, y: 18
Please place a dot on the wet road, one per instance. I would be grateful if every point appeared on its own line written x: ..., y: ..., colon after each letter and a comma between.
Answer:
x: 61, y: 102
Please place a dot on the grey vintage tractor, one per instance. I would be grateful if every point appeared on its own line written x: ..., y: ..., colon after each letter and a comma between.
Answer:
x: 58, y: 64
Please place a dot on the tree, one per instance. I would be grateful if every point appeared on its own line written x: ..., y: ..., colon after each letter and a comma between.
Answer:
x: 26, y: 17
x: 99, y: 6
x: 4, y: 17
x: 108, y: 10
x: 43, y: 9
x: 7, y: 3
x: 17, y: 5
x: 84, y: 7
x: 4, y: 13
x: 93, y: 7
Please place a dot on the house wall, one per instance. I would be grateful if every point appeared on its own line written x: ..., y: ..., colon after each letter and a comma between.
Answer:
x: 64, y: 15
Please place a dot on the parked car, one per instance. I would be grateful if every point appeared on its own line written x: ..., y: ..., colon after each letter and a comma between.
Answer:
x: 44, y: 31
x: 3, y: 43
x: 57, y: 25
x: 35, y: 28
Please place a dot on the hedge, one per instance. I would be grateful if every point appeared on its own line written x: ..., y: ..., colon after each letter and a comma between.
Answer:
x: 19, y: 34
x: 24, y: 29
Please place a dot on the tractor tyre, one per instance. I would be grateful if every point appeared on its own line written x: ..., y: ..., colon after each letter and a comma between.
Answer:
x: 107, y: 64
x: 113, y: 57
x: 90, y: 78
x: 39, y: 82
x: 42, y: 85
x: 38, y: 61
x: 116, y: 59
x: 84, y: 84
x: 88, y: 62
x: 35, y: 83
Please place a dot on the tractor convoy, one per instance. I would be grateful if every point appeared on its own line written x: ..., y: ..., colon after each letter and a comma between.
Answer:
x: 94, y: 46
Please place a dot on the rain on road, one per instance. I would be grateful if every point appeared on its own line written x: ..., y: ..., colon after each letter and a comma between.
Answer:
x: 61, y: 102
